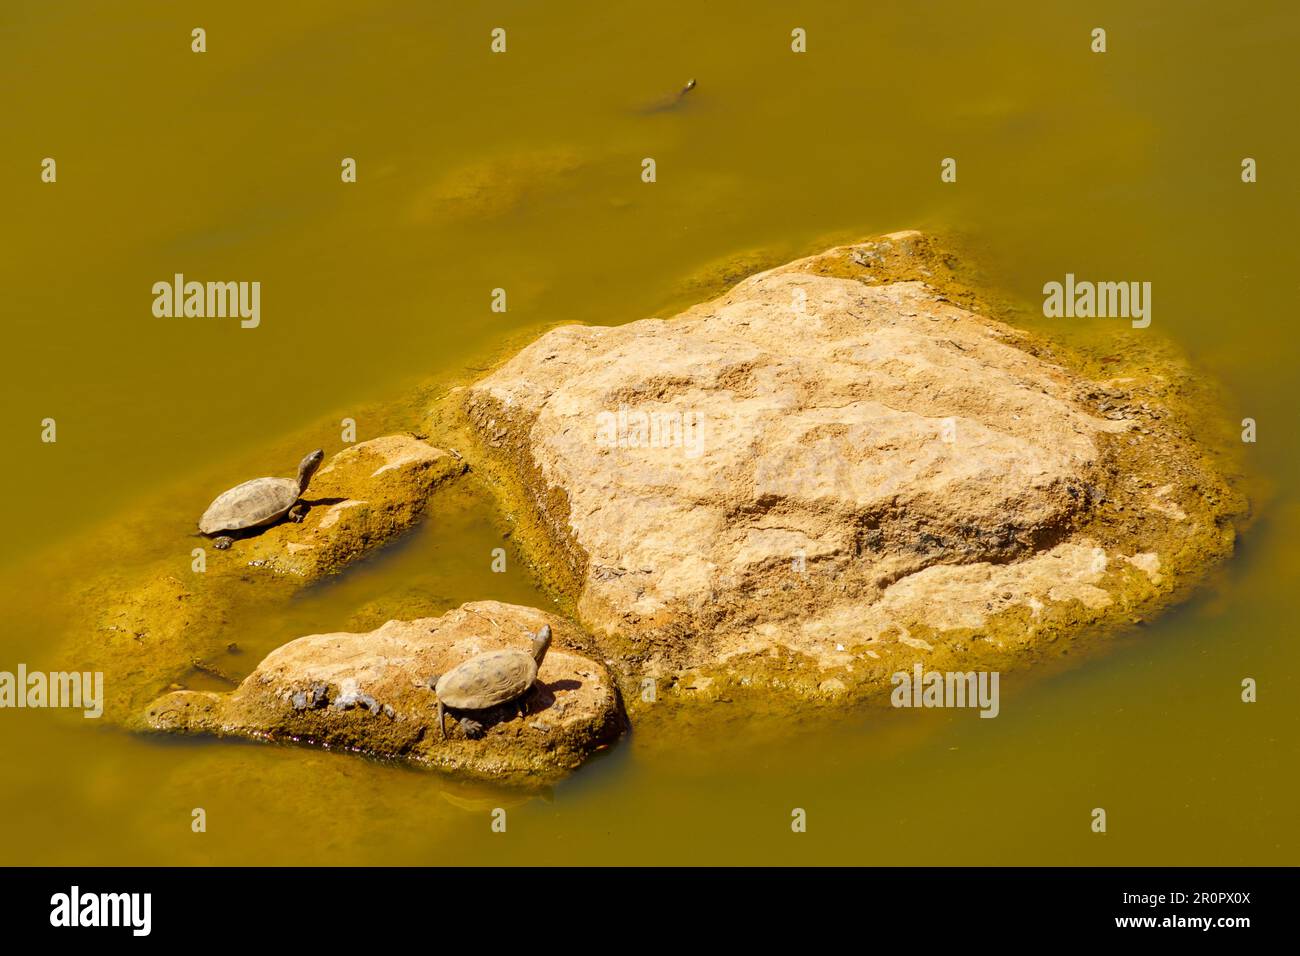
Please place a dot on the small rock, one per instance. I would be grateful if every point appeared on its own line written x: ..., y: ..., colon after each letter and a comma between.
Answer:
x: 579, y: 707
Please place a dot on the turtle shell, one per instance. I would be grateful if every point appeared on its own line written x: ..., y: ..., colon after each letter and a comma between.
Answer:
x: 487, y: 680
x: 253, y: 503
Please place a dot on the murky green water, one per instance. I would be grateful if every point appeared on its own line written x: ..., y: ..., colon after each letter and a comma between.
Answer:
x: 522, y: 171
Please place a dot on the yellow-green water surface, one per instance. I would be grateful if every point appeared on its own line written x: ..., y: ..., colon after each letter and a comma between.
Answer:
x: 522, y: 171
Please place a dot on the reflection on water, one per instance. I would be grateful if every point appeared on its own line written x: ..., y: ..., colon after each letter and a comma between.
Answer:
x: 522, y: 172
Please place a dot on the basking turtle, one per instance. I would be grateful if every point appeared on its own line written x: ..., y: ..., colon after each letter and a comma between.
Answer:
x: 489, y: 680
x: 259, y: 502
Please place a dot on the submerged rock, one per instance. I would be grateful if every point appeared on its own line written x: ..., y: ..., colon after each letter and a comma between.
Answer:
x: 494, y: 186
x: 833, y: 471
x: 370, y: 693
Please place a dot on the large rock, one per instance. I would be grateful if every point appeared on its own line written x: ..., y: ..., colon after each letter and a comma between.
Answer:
x: 369, y: 693
x: 833, y: 470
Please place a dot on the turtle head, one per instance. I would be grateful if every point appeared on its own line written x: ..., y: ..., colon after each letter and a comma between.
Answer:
x: 307, y: 467
x: 541, y: 641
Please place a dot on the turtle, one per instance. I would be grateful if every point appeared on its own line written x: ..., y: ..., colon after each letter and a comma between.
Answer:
x: 669, y: 102
x: 259, y: 502
x: 489, y: 680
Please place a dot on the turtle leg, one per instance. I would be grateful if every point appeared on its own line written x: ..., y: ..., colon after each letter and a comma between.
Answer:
x: 299, y: 511
x: 473, y: 729
x: 223, y: 543
x: 442, y: 719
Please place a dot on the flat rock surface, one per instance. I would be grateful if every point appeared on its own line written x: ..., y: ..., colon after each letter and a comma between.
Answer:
x: 832, y: 470
x: 369, y: 693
